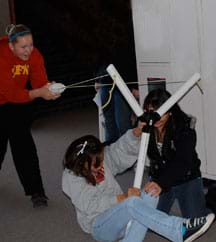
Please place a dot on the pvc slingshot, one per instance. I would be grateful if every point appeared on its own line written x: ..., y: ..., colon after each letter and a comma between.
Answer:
x: 149, y: 118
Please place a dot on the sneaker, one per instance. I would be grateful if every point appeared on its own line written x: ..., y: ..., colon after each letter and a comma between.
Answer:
x: 39, y: 200
x: 195, y: 227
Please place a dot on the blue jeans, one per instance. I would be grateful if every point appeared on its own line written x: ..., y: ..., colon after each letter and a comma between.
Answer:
x: 117, y: 115
x: 190, y: 197
x: 141, y: 213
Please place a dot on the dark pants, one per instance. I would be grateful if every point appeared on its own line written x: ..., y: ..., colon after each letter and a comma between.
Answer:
x: 190, y: 197
x: 15, y: 124
x: 117, y: 115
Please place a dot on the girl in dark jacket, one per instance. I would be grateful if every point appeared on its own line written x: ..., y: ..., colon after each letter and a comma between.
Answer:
x: 174, y: 163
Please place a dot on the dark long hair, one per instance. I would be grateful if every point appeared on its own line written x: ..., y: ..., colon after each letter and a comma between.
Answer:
x: 157, y: 97
x: 78, y: 157
x: 177, y: 123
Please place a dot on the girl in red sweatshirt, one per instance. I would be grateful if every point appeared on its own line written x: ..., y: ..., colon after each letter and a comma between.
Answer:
x: 21, y: 62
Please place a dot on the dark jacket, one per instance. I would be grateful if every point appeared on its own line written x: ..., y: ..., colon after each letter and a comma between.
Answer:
x: 179, y: 161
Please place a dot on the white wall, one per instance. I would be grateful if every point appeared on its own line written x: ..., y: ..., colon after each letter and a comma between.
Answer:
x: 208, y: 18
x: 174, y: 39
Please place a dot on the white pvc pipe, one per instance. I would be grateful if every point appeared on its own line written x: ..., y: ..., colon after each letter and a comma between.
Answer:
x: 141, y: 160
x: 179, y: 94
x: 139, y: 112
x: 124, y: 90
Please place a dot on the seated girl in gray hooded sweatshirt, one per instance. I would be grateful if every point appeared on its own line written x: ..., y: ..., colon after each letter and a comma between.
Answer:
x: 101, y: 206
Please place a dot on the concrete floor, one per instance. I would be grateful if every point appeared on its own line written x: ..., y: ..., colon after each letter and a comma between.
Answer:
x: 19, y: 222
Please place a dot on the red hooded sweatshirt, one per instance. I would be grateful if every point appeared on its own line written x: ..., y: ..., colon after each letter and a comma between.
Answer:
x: 15, y: 73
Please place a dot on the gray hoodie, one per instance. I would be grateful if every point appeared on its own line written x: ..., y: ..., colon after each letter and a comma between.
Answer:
x: 90, y: 201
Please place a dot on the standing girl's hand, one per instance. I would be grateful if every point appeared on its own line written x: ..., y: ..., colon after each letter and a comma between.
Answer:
x: 44, y: 93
